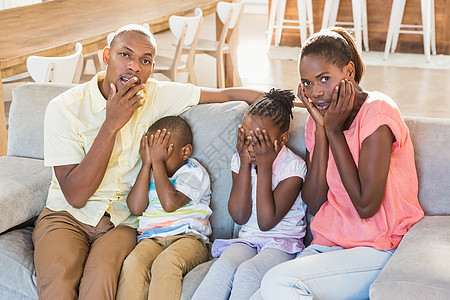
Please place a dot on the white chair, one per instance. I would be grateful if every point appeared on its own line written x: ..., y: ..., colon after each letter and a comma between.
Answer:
x: 186, y: 30
x: 277, y: 20
x: 56, y: 69
x: 359, y: 24
x: 396, y: 27
x: 230, y: 15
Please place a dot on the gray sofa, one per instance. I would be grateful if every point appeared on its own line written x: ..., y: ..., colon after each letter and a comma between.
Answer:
x: 419, y: 269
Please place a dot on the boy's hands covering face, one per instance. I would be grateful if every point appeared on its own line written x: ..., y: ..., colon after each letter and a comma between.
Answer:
x: 160, y: 149
x: 144, y: 150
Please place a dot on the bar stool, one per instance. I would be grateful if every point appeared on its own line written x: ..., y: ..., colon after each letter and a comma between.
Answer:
x: 277, y: 21
x: 395, y: 27
x: 359, y: 24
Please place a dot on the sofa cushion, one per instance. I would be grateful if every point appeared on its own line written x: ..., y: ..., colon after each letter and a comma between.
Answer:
x: 17, y: 277
x: 420, y: 267
x: 297, y: 131
x: 26, y: 117
x: 193, y: 279
x: 24, y: 184
x: 431, y: 140
x: 214, y: 127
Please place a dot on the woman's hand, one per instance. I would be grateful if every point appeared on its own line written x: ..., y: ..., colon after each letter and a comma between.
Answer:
x: 159, y: 147
x: 144, y: 151
x: 242, y: 147
x: 265, y: 151
x: 342, y: 102
x: 313, y: 111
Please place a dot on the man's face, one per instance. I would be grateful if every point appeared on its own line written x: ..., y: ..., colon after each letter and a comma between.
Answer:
x: 131, y: 54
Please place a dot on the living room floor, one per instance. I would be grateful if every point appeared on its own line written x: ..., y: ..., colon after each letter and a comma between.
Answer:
x: 418, y: 92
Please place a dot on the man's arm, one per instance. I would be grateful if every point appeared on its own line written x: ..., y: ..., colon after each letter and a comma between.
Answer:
x: 79, y: 182
x: 210, y: 95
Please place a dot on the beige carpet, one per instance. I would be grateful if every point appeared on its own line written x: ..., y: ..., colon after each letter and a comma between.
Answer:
x: 375, y: 58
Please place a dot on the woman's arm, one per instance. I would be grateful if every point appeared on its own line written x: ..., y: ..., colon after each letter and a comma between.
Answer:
x: 315, y: 188
x: 365, y: 183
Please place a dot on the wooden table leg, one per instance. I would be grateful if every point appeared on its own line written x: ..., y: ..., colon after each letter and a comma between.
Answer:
x: 3, y: 133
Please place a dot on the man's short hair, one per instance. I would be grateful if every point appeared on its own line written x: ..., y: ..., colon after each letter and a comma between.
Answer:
x: 177, y: 126
x: 141, y: 29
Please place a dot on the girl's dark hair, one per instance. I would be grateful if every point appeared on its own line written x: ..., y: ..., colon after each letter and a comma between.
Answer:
x: 276, y: 105
x: 337, y: 46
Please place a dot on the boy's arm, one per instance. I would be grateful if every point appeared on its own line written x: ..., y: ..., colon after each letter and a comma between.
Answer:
x: 137, y: 199
x: 170, y: 198
x: 210, y: 95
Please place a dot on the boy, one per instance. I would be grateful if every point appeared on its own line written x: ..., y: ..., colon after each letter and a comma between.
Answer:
x: 173, y: 205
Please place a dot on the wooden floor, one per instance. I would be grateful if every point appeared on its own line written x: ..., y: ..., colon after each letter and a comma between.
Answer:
x: 418, y: 92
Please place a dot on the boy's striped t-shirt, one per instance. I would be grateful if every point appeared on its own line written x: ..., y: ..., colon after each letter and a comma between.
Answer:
x: 192, y: 180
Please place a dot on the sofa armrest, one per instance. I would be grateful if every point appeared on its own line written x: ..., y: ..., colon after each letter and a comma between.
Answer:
x: 24, y: 184
x: 420, y: 267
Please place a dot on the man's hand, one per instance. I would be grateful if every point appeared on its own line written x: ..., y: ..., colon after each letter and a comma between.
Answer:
x: 160, y: 150
x: 122, y: 104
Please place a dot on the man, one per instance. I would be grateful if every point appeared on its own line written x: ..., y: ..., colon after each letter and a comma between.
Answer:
x: 91, y: 139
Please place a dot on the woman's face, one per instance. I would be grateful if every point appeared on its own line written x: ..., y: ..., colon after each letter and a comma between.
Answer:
x: 319, y: 78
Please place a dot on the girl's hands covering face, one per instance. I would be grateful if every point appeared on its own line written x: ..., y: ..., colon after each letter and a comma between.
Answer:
x: 242, y: 146
x: 265, y: 151
x: 342, y: 103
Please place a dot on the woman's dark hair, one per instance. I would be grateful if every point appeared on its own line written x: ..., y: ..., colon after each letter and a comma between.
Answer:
x: 337, y: 46
x: 276, y: 105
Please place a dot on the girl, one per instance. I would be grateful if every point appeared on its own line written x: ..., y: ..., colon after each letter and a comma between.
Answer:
x: 361, y: 183
x: 264, y: 199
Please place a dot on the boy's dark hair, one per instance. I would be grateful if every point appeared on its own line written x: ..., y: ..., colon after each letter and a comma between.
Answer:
x: 337, y: 46
x: 276, y: 105
x: 177, y: 126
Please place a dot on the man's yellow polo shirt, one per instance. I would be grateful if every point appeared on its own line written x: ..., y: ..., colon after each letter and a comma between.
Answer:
x: 73, y: 120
